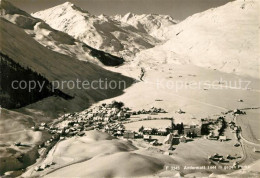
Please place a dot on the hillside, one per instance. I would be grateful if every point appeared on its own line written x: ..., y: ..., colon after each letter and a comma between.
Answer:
x: 224, y: 38
x: 53, y: 39
x: 28, y: 53
x: 101, y: 32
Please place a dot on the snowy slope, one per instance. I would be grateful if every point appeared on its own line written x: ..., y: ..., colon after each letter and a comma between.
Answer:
x: 101, y: 32
x: 53, y: 39
x: 226, y: 38
x: 23, y: 49
x: 153, y: 24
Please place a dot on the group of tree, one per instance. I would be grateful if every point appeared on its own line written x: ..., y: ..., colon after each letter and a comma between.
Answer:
x: 179, y: 127
x: 118, y: 105
x: 16, y: 96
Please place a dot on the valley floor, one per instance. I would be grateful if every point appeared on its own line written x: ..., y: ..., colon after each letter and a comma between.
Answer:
x: 199, y: 93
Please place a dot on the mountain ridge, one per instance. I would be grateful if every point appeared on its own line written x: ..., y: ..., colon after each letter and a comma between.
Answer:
x: 28, y: 53
x: 225, y: 38
x: 102, y: 32
x: 55, y: 40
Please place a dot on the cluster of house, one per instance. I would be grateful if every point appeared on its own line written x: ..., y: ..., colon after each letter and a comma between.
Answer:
x: 175, y: 134
x: 215, y: 128
x: 235, y: 129
x: 115, y: 129
x: 107, y: 117
x: 238, y: 112
x: 43, y: 166
x: 233, y: 126
x: 152, y: 111
x: 155, y: 131
x: 221, y: 159
x: 192, y: 130
x: 174, y: 139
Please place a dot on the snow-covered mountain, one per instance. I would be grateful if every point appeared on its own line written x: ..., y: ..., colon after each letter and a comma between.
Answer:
x: 226, y: 38
x: 153, y: 24
x: 111, y: 34
x: 55, y: 40
x: 21, y: 49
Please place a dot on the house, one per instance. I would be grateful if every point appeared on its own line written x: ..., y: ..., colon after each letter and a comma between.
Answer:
x: 192, y: 129
x: 147, y: 138
x: 129, y: 135
x: 154, y: 143
x: 175, y: 133
x: 238, y: 112
x: 118, y: 133
x: 147, y: 130
x: 180, y: 111
x: 107, y: 119
x: 222, y: 138
x: 43, y: 124
x: 183, y: 139
x: 121, y: 114
x: 162, y: 131
x: 212, y: 136
x: 235, y: 165
x: 41, y: 128
x: 168, y: 139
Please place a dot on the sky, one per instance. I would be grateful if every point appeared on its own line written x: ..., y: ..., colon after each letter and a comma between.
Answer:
x: 178, y: 9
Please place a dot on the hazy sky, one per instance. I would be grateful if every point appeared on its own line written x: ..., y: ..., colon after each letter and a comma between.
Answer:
x: 178, y: 9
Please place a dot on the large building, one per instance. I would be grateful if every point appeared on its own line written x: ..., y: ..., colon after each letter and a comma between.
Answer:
x: 192, y: 129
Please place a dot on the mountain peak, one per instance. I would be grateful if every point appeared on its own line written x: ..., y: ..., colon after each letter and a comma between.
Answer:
x: 128, y: 15
x: 68, y: 4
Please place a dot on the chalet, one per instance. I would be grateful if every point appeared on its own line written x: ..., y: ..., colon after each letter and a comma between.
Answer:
x: 41, y: 128
x: 108, y: 106
x: 37, y: 168
x: 235, y: 165
x: 43, y: 124
x: 192, y: 129
x: 119, y: 133
x: 175, y: 133
x: 222, y: 138
x: 147, y: 130
x: 155, y: 143
x: 183, y: 139
x: 238, y: 112
x: 180, y: 111
x: 121, y: 114
x: 115, y: 110
x: 129, y: 135
x: 212, y: 136
x: 147, y: 138
x: 162, y: 131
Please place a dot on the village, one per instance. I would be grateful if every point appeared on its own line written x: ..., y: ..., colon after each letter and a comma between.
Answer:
x: 116, y: 119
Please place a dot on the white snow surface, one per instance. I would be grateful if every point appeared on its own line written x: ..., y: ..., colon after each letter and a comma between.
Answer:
x: 226, y: 38
x: 153, y: 24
